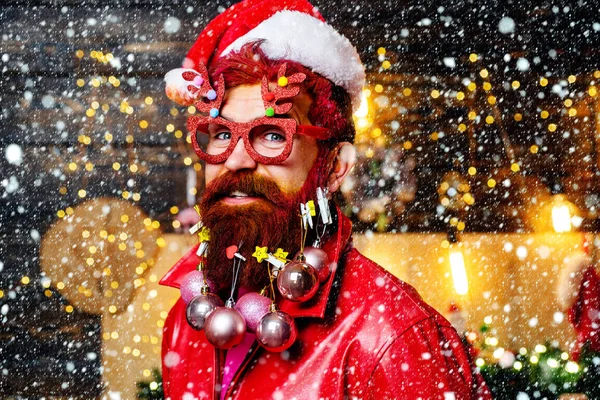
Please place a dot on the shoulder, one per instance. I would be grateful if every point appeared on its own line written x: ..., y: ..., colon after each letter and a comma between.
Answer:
x: 386, y: 295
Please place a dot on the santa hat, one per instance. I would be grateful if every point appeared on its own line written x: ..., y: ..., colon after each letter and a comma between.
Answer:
x: 288, y: 29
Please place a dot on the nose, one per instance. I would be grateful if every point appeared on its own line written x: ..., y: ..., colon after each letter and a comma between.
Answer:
x: 239, y: 159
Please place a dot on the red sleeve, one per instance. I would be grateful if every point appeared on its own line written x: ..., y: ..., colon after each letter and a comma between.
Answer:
x: 430, y: 362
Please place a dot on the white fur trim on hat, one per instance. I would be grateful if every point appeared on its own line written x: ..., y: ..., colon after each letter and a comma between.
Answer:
x: 569, y: 281
x: 299, y: 37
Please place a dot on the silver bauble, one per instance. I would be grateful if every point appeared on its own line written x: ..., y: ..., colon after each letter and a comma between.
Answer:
x: 319, y: 260
x: 200, y: 307
x: 298, y: 281
x: 276, y: 331
x: 225, y: 327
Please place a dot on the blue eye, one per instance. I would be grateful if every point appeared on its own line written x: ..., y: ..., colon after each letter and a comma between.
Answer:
x: 223, y: 135
x: 274, y: 137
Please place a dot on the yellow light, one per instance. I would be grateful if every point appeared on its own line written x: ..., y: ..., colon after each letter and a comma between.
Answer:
x: 79, y: 54
x: 108, y: 136
x: 124, y: 218
x: 491, y: 100
x: 112, y: 309
x: 460, y: 96
x: 378, y: 88
x: 487, y: 86
x: 480, y: 362
x: 568, y: 102
x: 81, y: 193
x: 572, y: 367
x: 514, y: 167
x: 25, y: 280
x: 161, y: 242
x: 178, y: 134
x: 518, y: 117
x: 540, y: 348
x: 472, y: 115
x: 187, y: 161
x: 544, y: 114
x: 89, y: 166
x: 552, y: 127
x: 133, y: 168
x: 69, y: 308
x: 375, y: 133
x: 498, y: 353
x: 407, y: 145
x: 552, y: 363
x: 572, y: 78
x: 561, y: 218
x: 491, y: 182
x: 534, y: 359
x: 459, y: 273
x: 170, y: 128
x: 473, y: 57
x: 592, y: 91
x: 148, y: 100
x: 572, y: 112
x: 516, y: 84
x: 153, y: 385
x: 472, y: 86
x: 116, y: 166
x: 518, y: 365
x: 462, y: 127
x: 435, y: 93
x: 484, y: 73
x: 386, y: 64
x: 543, y: 81
x: 80, y: 82
x: 489, y: 119
x: 363, y: 109
x: 534, y: 149
x: 143, y: 124
x: 407, y: 92
x: 381, y: 51
x: 472, y: 171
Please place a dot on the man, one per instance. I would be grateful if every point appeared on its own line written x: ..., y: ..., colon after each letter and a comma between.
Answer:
x: 365, y: 334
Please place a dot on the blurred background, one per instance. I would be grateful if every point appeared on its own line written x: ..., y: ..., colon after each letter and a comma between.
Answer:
x: 477, y: 182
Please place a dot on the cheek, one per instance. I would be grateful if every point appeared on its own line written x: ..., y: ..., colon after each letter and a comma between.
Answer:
x: 211, y: 171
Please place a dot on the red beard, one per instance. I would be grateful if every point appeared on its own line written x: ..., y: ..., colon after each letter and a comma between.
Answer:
x: 272, y: 221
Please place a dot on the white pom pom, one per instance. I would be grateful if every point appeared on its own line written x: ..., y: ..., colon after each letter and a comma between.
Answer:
x: 177, y: 88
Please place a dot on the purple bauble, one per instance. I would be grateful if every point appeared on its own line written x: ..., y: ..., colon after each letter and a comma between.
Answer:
x: 298, y: 281
x: 253, y: 306
x: 225, y: 327
x: 192, y: 284
x: 200, y: 307
x: 276, y: 331
x: 319, y: 260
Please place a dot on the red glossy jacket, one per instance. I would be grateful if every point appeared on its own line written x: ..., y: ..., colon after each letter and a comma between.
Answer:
x: 365, y: 335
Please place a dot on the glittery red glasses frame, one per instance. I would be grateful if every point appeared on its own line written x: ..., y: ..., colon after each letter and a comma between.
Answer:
x: 241, y: 130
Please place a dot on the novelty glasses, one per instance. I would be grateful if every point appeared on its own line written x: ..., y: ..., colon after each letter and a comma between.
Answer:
x: 267, y: 140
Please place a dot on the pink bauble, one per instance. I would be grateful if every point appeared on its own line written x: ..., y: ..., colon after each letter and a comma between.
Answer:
x: 192, y: 284
x: 200, y: 307
x: 319, y: 260
x: 225, y: 327
x: 276, y: 331
x: 253, y: 307
x: 298, y: 281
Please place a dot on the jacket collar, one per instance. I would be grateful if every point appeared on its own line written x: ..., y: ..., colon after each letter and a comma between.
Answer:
x: 334, y: 247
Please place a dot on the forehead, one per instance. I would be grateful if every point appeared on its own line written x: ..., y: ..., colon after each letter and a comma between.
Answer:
x: 244, y: 103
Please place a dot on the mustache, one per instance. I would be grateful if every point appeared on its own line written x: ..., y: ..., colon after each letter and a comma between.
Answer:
x: 248, y: 182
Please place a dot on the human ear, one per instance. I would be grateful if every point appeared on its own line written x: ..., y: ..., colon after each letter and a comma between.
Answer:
x: 339, y: 164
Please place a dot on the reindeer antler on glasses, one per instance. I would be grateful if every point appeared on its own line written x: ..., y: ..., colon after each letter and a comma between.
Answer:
x: 188, y: 87
x: 283, y: 90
